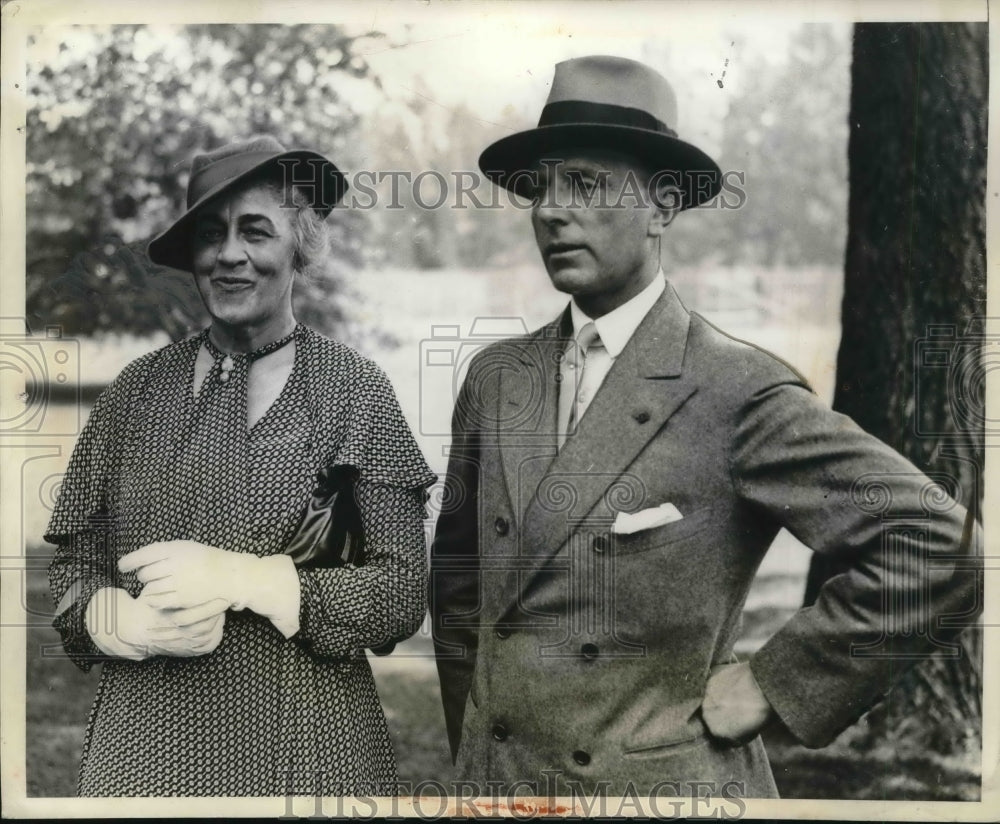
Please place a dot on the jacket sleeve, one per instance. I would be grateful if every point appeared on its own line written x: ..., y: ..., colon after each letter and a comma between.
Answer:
x: 913, y: 558
x: 343, y: 610
x: 455, y: 577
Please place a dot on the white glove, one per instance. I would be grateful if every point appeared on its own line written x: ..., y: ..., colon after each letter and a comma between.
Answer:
x: 127, y: 627
x: 187, y: 632
x: 184, y: 574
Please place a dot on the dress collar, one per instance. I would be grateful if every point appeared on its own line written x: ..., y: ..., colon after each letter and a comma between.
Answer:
x: 260, y: 352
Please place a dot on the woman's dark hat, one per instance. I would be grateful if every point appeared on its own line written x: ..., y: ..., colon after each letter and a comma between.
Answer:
x: 216, y: 171
x: 610, y: 103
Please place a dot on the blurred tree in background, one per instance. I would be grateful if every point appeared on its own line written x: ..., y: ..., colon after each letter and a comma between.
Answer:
x: 910, y: 367
x: 784, y: 140
x: 785, y: 133
x: 116, y: 114
x: 788, y: 133
x: 439, y: 146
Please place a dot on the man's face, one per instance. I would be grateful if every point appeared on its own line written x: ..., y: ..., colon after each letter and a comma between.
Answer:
x: 591, y: 220
x: 243, y: 247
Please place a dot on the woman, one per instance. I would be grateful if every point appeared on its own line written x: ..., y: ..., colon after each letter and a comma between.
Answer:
x: 227, y: 668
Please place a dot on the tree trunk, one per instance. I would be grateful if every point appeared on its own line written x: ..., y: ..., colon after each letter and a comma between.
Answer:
x: 909, y: 368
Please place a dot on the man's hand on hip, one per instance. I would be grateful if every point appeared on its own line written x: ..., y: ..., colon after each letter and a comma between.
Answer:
x: 734, y: 708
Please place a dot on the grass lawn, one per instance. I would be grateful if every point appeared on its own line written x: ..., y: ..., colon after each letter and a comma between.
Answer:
x: 59, y: 698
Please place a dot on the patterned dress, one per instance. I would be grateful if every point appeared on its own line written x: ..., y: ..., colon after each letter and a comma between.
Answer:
x: 262, y: 714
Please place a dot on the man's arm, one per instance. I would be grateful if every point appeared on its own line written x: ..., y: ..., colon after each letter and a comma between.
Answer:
x: 840, y: 490
x: 454, y: 573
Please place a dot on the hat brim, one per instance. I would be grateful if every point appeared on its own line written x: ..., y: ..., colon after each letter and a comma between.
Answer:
x: 508, y: 161
x: 173, y: 246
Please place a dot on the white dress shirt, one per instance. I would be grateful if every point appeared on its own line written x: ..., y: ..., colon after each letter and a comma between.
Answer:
x: 615, y: 330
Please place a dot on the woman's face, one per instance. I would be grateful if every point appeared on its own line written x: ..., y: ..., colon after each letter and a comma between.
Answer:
x: 243, y: 249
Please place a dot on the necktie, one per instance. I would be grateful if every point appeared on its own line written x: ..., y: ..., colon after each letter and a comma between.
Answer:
x: 580, y: 380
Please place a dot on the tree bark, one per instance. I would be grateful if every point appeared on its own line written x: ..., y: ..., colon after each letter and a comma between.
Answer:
x: 909, y: 368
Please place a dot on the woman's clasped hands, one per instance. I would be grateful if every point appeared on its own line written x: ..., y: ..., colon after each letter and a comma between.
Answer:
x: 126, y: 627
x: 187, y: 575
x: 181, y: 610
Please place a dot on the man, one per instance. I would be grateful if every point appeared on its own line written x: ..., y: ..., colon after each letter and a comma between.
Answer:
x: 615, y: 480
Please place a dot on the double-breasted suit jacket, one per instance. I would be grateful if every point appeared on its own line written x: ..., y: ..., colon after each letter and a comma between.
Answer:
x: 567, y: 647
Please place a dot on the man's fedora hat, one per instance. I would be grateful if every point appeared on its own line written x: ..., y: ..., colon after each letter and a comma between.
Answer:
x: 611, y: 103
x: 221, y: 169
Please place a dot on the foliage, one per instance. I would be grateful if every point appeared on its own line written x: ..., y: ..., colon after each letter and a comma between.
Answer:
x: 788, y: 134
x: 476, y: 226
x: 115, y: 115
x: 784, y: 142
x: 785, y: 133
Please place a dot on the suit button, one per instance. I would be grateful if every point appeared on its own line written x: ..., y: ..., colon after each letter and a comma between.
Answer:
x: 589, y: 651
x: 502, y: 526
x: 503, y: 633
x: 600, y: 544
x: 499, y: 732
x: 582, y: 758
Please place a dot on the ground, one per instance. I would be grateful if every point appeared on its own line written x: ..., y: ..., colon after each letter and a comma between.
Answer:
x: 59, y: 697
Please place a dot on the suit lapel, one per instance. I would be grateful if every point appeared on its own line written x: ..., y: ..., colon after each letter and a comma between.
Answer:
x: 526, y: 412
x: 642, y: 390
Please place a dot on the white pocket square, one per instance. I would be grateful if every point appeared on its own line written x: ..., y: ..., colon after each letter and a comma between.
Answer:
x: 627, y: 523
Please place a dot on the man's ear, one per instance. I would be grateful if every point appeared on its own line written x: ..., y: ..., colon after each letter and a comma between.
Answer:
x: 667, y: 201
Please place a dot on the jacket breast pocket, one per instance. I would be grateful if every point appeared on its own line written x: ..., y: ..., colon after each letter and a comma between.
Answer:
x: 661, y: 536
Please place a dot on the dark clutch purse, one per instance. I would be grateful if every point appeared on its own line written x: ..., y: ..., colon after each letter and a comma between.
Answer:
x: 331, y: 533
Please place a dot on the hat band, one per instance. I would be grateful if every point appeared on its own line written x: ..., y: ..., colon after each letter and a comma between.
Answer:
x: 580, y: 112
x: 222, y: 170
